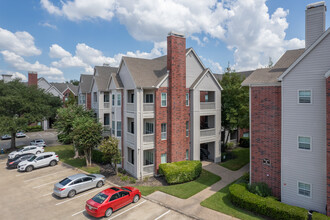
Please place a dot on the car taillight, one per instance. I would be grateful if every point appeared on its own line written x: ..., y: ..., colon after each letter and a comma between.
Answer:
x: 56, y: 155
x: 11, y: 162
x: 61, y: 189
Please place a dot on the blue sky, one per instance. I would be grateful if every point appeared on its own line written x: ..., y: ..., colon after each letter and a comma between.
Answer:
x: 63, y: 39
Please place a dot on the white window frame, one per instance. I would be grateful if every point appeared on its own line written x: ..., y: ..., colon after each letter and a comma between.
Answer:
x: 113, y: 99
x: 165, y: 156
x: 187, y: 128
x: 187, y: 154
x: 310, y: 189
x: 119, y: 99
x: 104, y: 95
x: 95, y: 96
x: 118, y: 129
x: 187, y: 99
x: 161, y: 99
x: 129, y: 155
x: 113, y: 127
x: 301, y: 90
x: 149, y: 94
x: 310, y: 143
x: 146, y: 153
x: 163, y: 133
x: 148, y: 127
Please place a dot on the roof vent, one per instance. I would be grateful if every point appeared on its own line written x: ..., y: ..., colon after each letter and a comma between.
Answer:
x: 315, y: 5
x: 172, y: 33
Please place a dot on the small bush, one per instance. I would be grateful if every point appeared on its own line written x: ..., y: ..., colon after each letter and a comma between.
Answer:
x: 260, y: 189
x: 241, y: 197
x: 97, y: 157
x: 146, y: 179
x: 132, y: 180
x: 230, y: 145
x: 180, y: 172
x: 244, y: 142
x: 34, y: 128
x: 121, y: 170
x: 245, y: 178
x: 124, y: 178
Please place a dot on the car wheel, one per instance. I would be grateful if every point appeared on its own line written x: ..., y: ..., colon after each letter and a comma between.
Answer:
x: 38, y: 152
x: 53, y: 163
x: 108, y: 213
x: 29, y: 169
x: 72, y: 193
x: 99, y: 184
x: 136, y: 198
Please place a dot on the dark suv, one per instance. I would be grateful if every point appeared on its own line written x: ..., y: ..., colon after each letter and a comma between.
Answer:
x: 13, y: 162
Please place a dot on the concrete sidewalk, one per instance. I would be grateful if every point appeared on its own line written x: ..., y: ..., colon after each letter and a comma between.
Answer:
x: 192, y: 205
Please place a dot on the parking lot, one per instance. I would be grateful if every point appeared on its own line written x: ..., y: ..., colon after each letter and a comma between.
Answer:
x: 29, y: 196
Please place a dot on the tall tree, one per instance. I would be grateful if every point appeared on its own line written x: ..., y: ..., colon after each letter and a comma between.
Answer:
x: 234, y: 102
x: 21, y: 105
x: 86, y: 135
x: 111, y: 152
x: 73, y: 82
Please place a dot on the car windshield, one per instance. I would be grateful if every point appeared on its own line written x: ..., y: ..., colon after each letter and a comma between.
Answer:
x: 32, y: 158
x: 65, y: 181
x: 99, y: 198
x: 123, y: 188
x: 21, y: 150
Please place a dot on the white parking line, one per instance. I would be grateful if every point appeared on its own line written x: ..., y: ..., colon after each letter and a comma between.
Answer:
x: 78, y: 212
x: 76, y: 197
x: 44, y: 176
x: 40, y: 135
x: 162, y: 215
x: 44, y: 184
x: 27, y: 136
x: 128, y: 209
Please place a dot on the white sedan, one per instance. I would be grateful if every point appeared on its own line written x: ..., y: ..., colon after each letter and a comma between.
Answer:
x: 27, y: 149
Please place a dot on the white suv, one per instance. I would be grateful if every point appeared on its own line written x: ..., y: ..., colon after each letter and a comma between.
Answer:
x: 25, y: 150
x: 38, y: 142
x: 39, y: 160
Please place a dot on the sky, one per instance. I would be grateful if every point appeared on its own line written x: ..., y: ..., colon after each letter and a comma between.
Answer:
x: 63, y: 39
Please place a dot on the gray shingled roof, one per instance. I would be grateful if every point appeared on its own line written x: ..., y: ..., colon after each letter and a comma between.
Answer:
x: 243, y: 73
x: 63, y: 86
x: 116, y: 79
x: 103, y: 77
x: 270, y: 75
x: 85, y: 83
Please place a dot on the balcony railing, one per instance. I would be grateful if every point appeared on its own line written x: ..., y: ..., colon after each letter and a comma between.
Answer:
x: 147, y: 138
x: 130, y: 137
x: 207, y: 132
x: 106, y: 105
x: 149, y: 169
x: 148, y: 107
x: 130, y: 107
x: 207, y: 105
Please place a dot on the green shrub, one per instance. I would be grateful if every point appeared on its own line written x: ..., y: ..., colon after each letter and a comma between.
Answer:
x: 146, y: 179
x: 64, y: 139
x: 230, y: 145
x: 244, y: 142
x: 132, y: 180
x: 180, y: 172
x: 260, y: 189
x: 97, y: 157
x: 241, y: 197
x: 121, y: 170
x: 34, y: 128
x: 124, y: 178
x: 319, y: 216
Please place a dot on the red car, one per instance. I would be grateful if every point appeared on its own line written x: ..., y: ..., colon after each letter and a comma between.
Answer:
x: 111, y: 199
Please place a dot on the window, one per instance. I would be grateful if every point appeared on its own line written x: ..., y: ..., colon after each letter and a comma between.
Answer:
x: 106, y: 119
x: 187, y: 99
x: 206, y: 97
x: 187, y: 128
x: 187, y: 154
x: 164, y: 100
x: 118, y: 128
x: 106, y: 97
x: 119, y: 99
x: 130, y: 152
x: 266, y: 161
x: 113, y: 129
x: 163, y: 158
x: 95, y: 96
x: 246, y: 134
x: 163, y: 131
x: 86, y: 179
x: 304, y: 189
x: 113, y: 99
x: 305, y: 96
x: 82, y: 99
x: 148, y: 157
x: 123, y: 193
x: 114, y: 197
x: 304, y: 143
x: 131, y: 127
x: 149, y: 128
x: 149, y: 98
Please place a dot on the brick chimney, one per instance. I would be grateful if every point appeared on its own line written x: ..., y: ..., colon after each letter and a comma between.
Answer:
x: 177, y: 113
x: 33, y: 78
x: 315, y: 22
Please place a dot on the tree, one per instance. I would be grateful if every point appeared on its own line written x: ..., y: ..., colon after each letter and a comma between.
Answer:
x: 234, y: 102
x: 72, y: 100
x: 21, y: 105
x: 111, y: 153
x: 73, y: 82
x: 86, y: 135
x: 270, y: 63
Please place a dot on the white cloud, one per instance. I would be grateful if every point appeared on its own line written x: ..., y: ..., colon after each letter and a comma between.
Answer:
x: 197, y: 40
x: 214, y: 66
x: 19, y: 63
x: 17, y: 75
x: 56, y: 51
x: 46, y: 24
x: 21, y: 43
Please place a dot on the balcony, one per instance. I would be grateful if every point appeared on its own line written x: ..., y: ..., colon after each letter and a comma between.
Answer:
x: 207, y: 105
x: 148, y: 138
x: 130, y: 107
x: 106, y: 128
x: 148, y: 107
x: 130, y: 137
x: 207, y: 132
x: 106, y: 105
x: 149, y: 169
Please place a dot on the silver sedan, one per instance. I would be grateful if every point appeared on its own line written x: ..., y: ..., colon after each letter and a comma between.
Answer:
x: 77, y: 183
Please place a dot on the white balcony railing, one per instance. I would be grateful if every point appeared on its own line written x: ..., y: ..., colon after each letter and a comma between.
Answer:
x: 207, y: 132
x: 130, y: 107
x: 149, y: 169
x: 148, y: 138
x: 106, y: 105
x: 207, y: 105
x: 106, y: 128
x: 148, y: 107
x: 130, y: 137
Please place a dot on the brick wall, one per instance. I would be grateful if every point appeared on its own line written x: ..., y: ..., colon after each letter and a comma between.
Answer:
x: 66, y: 94
x: 32, y: 78
x: 266, y: 136
x: 328, y: 145
x: 88, y: 101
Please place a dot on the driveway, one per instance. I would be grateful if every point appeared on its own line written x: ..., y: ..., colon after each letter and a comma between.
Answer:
x: 49, y: 136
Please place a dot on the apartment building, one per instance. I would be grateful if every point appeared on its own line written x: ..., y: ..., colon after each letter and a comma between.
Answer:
x: 84, y: 91
x: 289, y: 120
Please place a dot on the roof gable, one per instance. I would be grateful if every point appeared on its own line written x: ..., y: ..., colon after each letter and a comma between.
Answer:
x: 202, y: 75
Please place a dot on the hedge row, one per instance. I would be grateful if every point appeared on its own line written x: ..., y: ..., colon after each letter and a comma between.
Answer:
x: 267, y: 206
x: 97, y: 157
x: 181, y: 172
x: 34, y: 128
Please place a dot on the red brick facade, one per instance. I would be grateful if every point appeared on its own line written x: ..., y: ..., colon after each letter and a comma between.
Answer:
x: 328, y: 144
x: 66, y: 94
x: 88, y: 101
x: 265, y: 136
x: 32, y: 79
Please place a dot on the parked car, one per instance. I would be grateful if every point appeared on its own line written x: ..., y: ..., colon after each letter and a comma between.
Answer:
x: 77, y: 183
x: 38, y: 142
x: 20, y: 134
x: 12, y: 163
x: 5, y: 137
x: 26, y: 149
x: 111, y: 199
x: 39, y: 160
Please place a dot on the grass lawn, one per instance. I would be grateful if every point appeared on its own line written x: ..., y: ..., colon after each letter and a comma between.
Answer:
x: 66, y: 154
x: 220, y: 202
x: 184, y: 190
x: 242, y: 158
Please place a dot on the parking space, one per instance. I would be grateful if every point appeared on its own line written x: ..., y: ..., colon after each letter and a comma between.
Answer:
x: 29, y: 196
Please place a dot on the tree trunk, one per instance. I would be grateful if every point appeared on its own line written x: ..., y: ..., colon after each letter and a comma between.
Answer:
x: 76, y: 153
x: 90, y: 156
x: 86, y: 157
x: 116, y: 170
x: 226, y: 138
x: 13, y: 142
